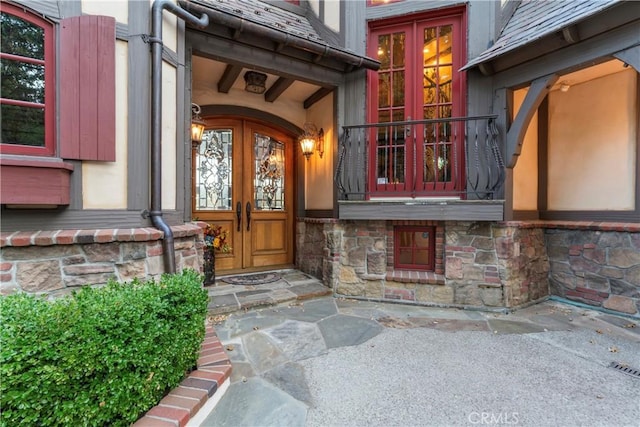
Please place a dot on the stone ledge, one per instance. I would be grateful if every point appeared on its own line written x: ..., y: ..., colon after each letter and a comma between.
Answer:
x: 318, y: 220
x: 89, y: 236
x: 415, y: 276
x: 183, y: 402
x: 629, y: 227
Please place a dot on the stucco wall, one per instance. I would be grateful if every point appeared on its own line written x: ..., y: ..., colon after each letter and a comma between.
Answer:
x: 104, y: 184
x: 332, y: 14
x: 525, y: 174
x: 319, y: 171
x: 592, y: 142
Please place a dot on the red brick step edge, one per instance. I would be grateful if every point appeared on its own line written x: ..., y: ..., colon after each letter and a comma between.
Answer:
x: 184, y: 401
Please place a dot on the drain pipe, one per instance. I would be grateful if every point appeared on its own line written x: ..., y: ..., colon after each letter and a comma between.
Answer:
x: 156, y: 119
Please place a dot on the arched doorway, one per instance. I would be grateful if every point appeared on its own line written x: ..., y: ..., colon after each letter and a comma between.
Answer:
x: 243, y: 180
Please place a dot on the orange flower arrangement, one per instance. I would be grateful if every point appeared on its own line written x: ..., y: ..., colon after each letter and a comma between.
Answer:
x: 215, y: 237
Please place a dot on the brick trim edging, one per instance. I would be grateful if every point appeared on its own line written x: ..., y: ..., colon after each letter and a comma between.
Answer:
x: 183, y: 402
x: 89, y: 236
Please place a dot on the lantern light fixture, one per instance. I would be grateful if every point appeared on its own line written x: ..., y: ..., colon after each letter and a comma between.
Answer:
x: 312, y: 140
x: 197, y: 125
x: 255, y: 82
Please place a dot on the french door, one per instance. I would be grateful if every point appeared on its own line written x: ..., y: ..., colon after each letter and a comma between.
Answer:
x: 418, y: 79
x: 243, y: 182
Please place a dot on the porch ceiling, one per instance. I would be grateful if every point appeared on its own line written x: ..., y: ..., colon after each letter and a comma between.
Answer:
x: 215, y: 74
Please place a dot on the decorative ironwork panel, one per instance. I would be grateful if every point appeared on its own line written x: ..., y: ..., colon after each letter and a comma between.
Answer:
x: 213, y: 170
x: 269, y: 176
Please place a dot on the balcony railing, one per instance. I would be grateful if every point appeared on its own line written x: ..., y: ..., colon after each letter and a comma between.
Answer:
x: 453, y: 157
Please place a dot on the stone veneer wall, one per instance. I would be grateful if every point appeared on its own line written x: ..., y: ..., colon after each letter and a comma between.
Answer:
x: 596, y: 264
x: 496, y: 264
x: 478, y: 264
x: 57, y: 262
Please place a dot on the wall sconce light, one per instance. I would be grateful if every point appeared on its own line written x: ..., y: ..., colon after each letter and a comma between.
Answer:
x: 564, y: 86
x: 255, y: 82
x: 320, y: 147
x: 197, y: 126
x: 312, y: 140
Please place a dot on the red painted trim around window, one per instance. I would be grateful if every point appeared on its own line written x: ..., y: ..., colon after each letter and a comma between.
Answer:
x: 372, y: 3
x: 430, y: 266
x: 412, y: 26
x: 35, y: 182
x: 49, y: 147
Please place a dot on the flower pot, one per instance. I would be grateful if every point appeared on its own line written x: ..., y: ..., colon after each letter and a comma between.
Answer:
x: 209, y: 267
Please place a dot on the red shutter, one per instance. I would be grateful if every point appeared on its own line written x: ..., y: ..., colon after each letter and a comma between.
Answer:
x: 88, y: 88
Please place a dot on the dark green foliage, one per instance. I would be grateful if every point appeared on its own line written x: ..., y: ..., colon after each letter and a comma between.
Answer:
x: 101, y: 357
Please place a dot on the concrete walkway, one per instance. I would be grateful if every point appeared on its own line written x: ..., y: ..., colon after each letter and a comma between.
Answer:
x: 336, y: 362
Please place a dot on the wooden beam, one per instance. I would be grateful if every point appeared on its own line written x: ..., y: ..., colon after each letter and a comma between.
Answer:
x: 277, y: 89
x: 630, y: 56
x: 515, y: 136
x: 316, y: 96
x: 230, y: 52
x: 228, y: 78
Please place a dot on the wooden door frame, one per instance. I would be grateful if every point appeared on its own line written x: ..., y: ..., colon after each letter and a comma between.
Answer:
x: 243, y: 123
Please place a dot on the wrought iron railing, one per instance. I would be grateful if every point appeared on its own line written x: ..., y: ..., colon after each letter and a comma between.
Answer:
x: 456, y: 157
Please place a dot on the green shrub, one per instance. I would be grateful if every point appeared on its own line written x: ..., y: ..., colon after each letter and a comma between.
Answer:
x: 101, y: 356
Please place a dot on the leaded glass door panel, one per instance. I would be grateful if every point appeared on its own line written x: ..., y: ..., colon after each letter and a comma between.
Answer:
x: 270, y: 193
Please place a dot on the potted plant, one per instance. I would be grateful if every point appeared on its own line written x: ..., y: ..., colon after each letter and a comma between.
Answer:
x: 215, y: 240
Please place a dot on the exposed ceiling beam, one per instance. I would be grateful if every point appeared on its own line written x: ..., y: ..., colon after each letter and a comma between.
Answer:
x: 316, y: 96
x: 228, y: 78
x: 277, y: 89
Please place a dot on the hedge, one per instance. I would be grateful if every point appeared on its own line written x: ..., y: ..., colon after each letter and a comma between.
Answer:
x: 100, y: 356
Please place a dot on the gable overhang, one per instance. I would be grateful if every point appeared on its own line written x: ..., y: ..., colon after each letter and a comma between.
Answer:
x: 597, y: 37
x: 538, y: 64
x: 241, y: 31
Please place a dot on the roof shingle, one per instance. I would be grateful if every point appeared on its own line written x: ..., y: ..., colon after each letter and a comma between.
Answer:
x: 534, y: 19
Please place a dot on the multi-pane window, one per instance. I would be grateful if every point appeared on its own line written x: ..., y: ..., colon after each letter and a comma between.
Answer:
x: 26, y: 54
x: 417, y: 80
x: 414, y: 247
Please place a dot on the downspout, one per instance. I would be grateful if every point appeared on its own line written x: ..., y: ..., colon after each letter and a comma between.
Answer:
x: 156, y: 118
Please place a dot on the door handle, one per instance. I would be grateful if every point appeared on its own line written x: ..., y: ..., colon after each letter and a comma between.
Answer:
x: 248, y: 208
x: 239, y: 214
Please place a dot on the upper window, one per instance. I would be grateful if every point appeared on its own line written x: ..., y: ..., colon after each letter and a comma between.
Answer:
x: 380, y: 2
x: 27, y: 60
x: 418, y: 79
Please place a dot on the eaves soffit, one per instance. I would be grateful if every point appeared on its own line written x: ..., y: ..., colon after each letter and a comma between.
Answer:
x: 280, y: 23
